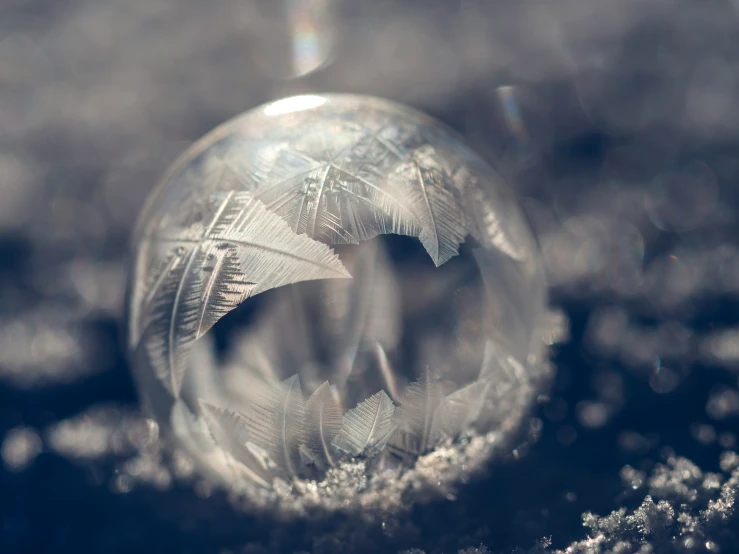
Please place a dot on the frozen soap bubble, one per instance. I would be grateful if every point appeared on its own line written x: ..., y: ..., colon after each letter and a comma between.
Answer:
x: 374, y: 292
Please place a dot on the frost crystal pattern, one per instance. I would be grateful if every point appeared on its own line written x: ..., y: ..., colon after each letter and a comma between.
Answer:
x: 366, y: 347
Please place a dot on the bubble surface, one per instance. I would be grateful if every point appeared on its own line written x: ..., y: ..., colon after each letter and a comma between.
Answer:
x: 373, y: 287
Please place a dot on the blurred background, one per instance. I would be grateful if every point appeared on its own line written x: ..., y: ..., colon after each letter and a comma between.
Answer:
x: 616, y: 122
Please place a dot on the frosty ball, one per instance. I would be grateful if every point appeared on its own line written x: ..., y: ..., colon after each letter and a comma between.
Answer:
x: 328, y: 280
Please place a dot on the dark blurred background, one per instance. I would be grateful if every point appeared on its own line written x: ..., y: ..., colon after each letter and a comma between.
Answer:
x: 616, y: 122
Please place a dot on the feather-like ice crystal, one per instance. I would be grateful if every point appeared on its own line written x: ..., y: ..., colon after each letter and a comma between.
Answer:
x: 390, y: 303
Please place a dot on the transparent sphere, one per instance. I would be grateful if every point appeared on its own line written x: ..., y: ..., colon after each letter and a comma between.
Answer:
x: 329, y: 280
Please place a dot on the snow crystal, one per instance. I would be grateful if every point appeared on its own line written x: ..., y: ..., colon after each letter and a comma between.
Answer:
x: 19, y: 448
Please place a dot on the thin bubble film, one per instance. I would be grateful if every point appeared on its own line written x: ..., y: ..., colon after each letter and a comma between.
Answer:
x: 381, y: 349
